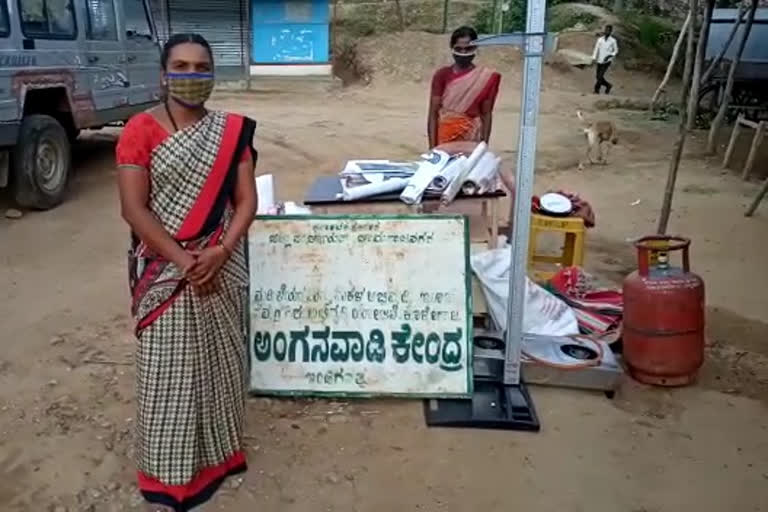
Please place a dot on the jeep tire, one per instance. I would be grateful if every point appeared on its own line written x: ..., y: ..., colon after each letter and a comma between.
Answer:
x: 42, y: 160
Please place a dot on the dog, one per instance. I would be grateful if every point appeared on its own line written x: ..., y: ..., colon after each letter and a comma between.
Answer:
x: 597, y: 134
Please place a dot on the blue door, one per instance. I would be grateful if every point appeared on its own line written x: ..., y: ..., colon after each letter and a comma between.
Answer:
x: 290, y: 31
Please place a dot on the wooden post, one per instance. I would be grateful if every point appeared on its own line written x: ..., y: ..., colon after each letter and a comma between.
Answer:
x: 400, y: 17
x: 445, y: 16
x: 713, y: 65
x: 682, y: 133
x: 672, y: 62
x: 732, y: 143
x: 720, y: 117
x: 693, y: 98
x: 758, y: 138
x: 760, y: 195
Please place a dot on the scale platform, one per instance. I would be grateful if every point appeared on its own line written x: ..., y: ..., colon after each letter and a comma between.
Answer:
x: 605, y: 376
x: 493, y: 405
x: 498, y: 406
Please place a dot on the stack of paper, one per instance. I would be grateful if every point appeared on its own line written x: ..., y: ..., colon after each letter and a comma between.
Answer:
x: 436, y: 174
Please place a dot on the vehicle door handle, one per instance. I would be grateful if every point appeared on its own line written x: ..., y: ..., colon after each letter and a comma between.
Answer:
x: 130, y: 58
x: 93, y: 59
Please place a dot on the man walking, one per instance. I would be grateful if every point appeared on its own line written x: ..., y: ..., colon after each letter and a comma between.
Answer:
x: 606, y: 48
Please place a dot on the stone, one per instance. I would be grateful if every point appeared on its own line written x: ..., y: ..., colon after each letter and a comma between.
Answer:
x: 56, y: 340
x: 13, y: 214
x: 338, y: 419
x: 575, y: 58
x: 332, y: 478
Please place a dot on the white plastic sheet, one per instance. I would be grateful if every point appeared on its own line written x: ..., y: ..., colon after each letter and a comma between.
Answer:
x: 543, y: 313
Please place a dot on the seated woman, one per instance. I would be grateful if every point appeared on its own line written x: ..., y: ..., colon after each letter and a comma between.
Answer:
x: 463, y: 95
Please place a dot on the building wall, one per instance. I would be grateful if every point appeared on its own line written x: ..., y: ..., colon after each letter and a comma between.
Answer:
x: 258, y: 37
x: 224, y: 23
x: 290, y: 32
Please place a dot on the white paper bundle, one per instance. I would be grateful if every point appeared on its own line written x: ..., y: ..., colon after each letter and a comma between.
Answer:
x: 476, y: 155
x: 265, y: 188
x: 374, y: 189
x: 484, y: 175
x: 449, y: 173
x: 453, y: 189
x: 429, y: 167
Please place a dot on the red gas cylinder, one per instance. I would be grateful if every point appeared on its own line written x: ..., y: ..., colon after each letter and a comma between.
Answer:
x: 663, y: 315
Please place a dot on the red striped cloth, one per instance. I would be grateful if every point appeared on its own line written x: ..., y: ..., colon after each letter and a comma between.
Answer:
x: 598, y: 311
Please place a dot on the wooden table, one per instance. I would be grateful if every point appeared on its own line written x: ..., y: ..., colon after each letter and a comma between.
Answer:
x: 482, y: 210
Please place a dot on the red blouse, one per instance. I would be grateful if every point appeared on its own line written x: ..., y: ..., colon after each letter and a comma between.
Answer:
x: 444, y: 76
x: 141, y: 135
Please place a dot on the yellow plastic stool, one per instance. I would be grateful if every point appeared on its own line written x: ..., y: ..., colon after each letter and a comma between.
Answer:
x: 573, y: 247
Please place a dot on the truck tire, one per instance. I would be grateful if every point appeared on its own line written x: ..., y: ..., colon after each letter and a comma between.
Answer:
x: 42, y: 160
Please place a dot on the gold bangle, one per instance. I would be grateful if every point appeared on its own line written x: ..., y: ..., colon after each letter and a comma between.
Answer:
x: 226, y: 249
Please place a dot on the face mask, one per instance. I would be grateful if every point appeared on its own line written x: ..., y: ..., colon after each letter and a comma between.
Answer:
x: 463, y: 60
x: 190, y: 89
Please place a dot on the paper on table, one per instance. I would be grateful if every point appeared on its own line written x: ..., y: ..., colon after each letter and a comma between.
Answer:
x: 483, y: 175
x: 374, y: 189
x: 476, y: 155
x: 265, y: 188
x: 454, y: 187
x: 449, y: 173
x: 429, y: 167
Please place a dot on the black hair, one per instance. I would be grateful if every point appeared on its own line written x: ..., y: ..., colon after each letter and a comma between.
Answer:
x: 463, y: 32
x: 608, y: 27
x: 177, y: 39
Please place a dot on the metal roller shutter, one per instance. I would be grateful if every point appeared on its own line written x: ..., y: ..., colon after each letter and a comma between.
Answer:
x: 221, y: 22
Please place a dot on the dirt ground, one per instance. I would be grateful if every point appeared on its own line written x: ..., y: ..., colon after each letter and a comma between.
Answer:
x: 66, y: 375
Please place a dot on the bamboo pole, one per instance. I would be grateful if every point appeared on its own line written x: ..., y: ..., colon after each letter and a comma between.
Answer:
x: 713, y: 65
x: 760, y: 195
x: 672, y: 62
x: 693, y: 98
x: 756, y: 141
x: 714, y: 130
x: 682, y: 131
x: 498, y: 16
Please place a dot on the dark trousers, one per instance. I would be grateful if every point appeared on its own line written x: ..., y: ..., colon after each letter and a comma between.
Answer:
x: 600, y: 80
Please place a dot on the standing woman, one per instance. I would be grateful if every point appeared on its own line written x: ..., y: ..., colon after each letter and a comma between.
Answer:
x: 187, y: 190
x: 463, y: 95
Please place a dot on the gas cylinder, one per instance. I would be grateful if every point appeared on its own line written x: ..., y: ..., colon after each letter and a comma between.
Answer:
x: 663, y: 331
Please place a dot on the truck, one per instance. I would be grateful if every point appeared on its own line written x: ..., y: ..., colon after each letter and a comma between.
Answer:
x: 67, y: 66
x: 749, y: 96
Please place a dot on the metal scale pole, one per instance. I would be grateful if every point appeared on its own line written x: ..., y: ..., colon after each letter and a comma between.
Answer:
x: 533, y: 46
x: 532, y: 42
x: 509, y: 408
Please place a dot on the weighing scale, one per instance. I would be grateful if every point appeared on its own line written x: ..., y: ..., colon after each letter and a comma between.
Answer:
x: 500, y: 399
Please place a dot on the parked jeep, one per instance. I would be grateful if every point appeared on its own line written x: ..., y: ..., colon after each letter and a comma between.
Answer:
x: 65, y: 66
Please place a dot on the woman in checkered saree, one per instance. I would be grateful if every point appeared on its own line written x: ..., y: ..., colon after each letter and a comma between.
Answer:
x: 187, y: 190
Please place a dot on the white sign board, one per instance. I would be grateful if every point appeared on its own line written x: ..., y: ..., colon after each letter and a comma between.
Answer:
x: 360, y: 305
